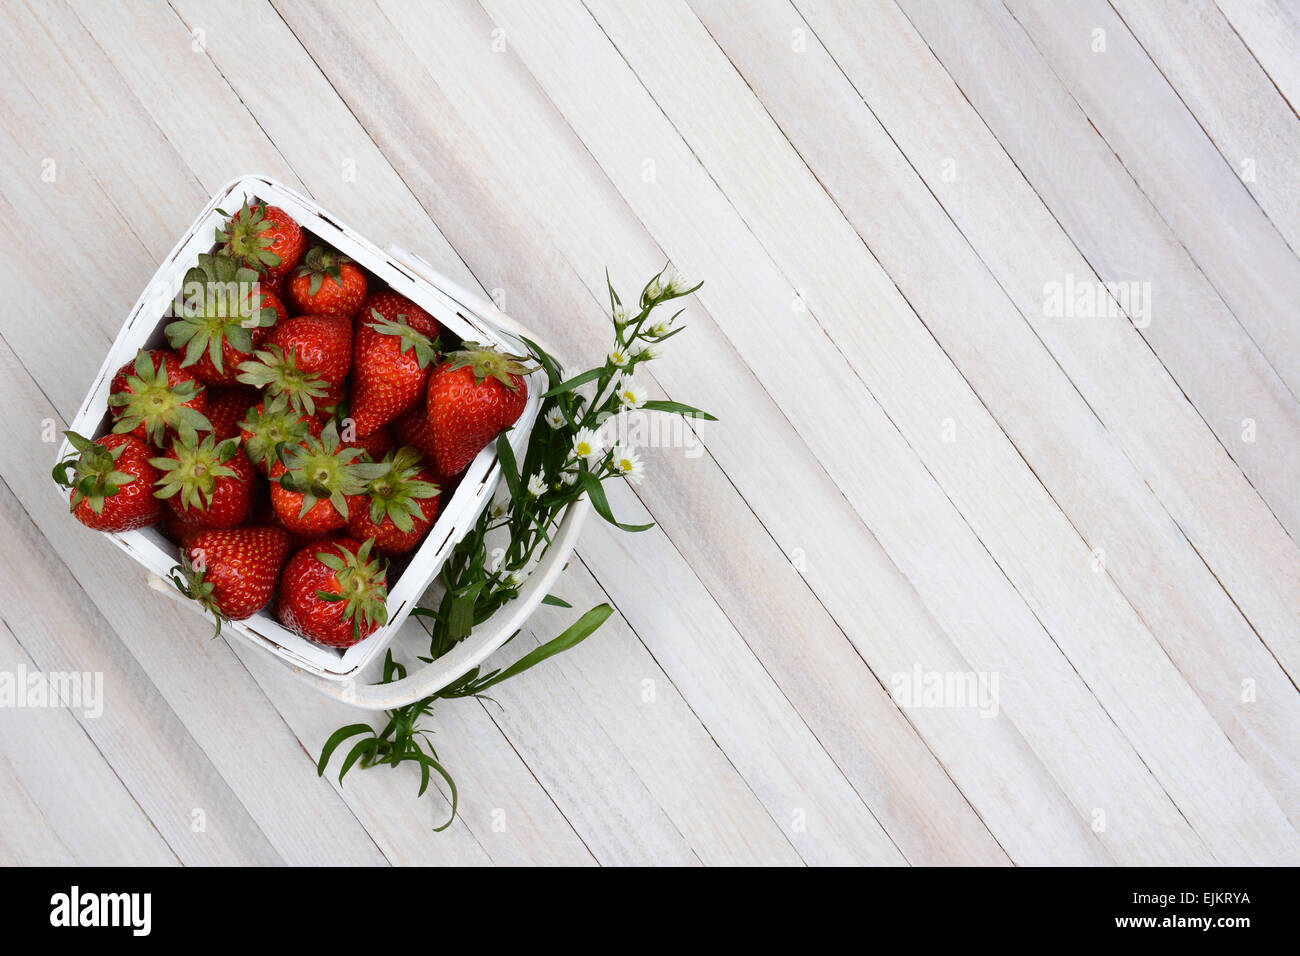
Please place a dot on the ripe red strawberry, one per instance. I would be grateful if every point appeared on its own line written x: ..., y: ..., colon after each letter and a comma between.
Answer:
x: 153, y: 396
x: 263, y: 238
x: 270, y: 426
x: 177, y: 529
x: 327, y: 281
x: 232, y: 571
x: 412, y: 428
x: 375, y: 445
x: 209, y: 484
x: 306, y: 359
x: 227, y: 408
x: 398, y: 507
x: 334, y: 592
x: 474, y: 395
x: 311, y: 483
x: 390, y: 366
x: 112, y: 482
x: 398, y: 308
x: 222, y: 316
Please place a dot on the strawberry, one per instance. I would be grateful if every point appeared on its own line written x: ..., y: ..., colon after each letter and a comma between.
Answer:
x: 154, y: 396
x: 232, y: 572
x: 311, y: 483
x: 177, y: 528
x: 271, y: 425
x: 223, y: 315
x: 211, y: 484
x: 474, y: 395
x: 263, y: 238
x: 375, y: 445
x: 398, y: 308
x: 334, y: 592
x: 390, y: 365
x: 412, y: 428
x: 227, y: 408
x: 398, y: 507
x: 112, y: 482
x: 306, y: 359
x: 327, y: 281
x: 274, y: 285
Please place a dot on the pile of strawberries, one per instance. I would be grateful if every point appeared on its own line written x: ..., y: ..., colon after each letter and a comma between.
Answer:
x: 299, y: 434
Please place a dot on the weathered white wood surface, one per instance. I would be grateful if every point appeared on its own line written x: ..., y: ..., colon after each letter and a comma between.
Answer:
x: 918, y: 467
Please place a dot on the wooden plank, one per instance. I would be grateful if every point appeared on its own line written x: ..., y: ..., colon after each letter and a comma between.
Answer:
x: 621, y: 687
x: 1053, y: 426
x: 64, y: 802
x: 1024, y: 247
x: 1232, y: 98
x: 1088, y: 191
x: 468, y: 194
x: 27, y: 839
x: 1271, y: 30
x: 1202, y: 198
x: 591, y: 225
x: 488, y: 210
x: 993, y: 488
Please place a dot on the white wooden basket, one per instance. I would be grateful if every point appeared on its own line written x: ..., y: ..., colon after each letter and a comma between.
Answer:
x: 339, y: 672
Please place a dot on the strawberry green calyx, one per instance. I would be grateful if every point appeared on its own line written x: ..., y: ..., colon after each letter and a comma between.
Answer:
x: 278, y: 373
x: 397, y: 492
x: 426, y: 349
x: 489, y: 363
x: 244, y: 236
x: 94, y: 475
x: 271, y: 426
x: 190, y: 581
x: 363, y: 586
x: 321, y: 263
x: 321, y: 469
x: 150, y: 400
x: 193, y: 473
x: 217, y: 306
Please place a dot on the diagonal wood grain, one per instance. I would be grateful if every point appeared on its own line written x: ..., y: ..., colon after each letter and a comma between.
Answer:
x: 1101, y: 514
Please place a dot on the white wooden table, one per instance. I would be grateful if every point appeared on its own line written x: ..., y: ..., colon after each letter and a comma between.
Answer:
x: 936, y: 456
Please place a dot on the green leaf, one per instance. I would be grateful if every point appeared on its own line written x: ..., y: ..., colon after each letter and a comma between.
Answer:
x: 598, y: 501
x: 509, y: 470
x: 460, y: 616
x: 677, y: 408
x: 336, y: 738
x: 588, y: 376
x: 370, y: 743
x: 554, y: 601
x: 577, y: 632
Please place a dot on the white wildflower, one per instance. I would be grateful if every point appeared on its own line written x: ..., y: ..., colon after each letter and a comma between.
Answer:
x: 536, y: 486
x: 620, y: 316
x: 628, y: 463
x: 662, y: 328
x: 586, y: 445
x: 554, y: 417
x: 516, y: 579
x: 630, y: 394
x: 619, y: 357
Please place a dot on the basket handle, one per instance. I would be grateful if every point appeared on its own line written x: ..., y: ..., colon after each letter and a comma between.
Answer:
x: 471, y: 652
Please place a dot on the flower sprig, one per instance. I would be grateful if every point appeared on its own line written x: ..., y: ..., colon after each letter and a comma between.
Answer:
x: 566, y: 457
